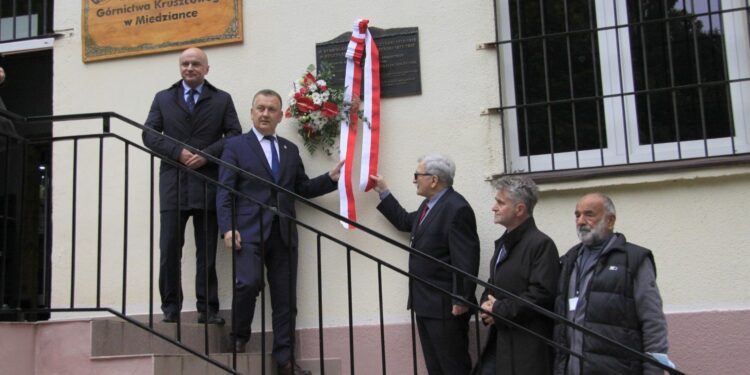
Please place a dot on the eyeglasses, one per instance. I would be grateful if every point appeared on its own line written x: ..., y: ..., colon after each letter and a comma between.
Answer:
x: 416, y: 175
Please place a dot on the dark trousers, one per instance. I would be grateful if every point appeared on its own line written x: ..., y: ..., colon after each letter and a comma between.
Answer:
x: 488, y: 361
x: 281, y: 273
x: 445, y: 344
x: 171, y: 240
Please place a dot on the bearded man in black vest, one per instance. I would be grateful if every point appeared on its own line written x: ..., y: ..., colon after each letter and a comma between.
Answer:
x: 609, y: 286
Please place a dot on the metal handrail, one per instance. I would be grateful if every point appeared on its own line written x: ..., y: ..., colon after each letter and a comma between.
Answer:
x: 107, y: 116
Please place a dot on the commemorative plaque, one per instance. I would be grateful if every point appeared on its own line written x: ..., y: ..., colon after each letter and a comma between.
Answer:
x: 399, y: 60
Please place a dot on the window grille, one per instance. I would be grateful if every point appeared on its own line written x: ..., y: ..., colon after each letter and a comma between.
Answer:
x: 587, y: 83
x: 25, y: 19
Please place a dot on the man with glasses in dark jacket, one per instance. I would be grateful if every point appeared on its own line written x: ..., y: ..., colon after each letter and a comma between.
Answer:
x: 444, y: 227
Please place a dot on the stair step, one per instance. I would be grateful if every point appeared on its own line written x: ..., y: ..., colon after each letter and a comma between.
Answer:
x: 114, y: 347
x: 111, y: 337
x: 115, y: 337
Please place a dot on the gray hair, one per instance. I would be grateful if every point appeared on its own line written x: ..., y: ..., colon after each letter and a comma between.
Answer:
x: 441, y: 166
x: 521, y: 189
x: 609, y: 206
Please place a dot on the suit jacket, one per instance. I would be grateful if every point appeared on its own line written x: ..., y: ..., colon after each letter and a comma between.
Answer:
x: 530, y: 271
x: 447, y: 233
x: 6, y: 126
x: 213, y: 120
x: 246, y: 153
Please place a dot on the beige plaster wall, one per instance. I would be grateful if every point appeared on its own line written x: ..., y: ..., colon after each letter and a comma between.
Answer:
x: 458, y: 81
x: 695, y: 221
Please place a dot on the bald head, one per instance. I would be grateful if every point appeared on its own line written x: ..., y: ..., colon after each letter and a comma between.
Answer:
x: 193, y: 66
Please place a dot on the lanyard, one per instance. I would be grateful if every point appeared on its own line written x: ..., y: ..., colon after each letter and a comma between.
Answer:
x: 579, y: 274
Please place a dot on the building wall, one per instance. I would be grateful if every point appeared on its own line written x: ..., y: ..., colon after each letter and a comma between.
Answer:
x: 694, y: 220
x: 458, y: 81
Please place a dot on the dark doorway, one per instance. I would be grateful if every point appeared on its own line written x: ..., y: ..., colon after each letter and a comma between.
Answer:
x: 28, y: 88
x: 25, y: 196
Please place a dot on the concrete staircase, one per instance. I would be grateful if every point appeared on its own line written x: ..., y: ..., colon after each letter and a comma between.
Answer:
x: 114, y: 347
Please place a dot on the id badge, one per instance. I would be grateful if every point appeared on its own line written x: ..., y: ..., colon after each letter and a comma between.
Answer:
x: 572, y: 302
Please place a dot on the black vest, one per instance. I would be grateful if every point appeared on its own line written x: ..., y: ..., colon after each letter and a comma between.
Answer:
x: 610, y: 310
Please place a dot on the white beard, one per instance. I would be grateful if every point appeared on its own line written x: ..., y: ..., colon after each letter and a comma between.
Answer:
x: 590, y: 236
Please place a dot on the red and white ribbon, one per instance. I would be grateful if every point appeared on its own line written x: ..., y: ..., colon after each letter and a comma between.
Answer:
x: 360, y: 45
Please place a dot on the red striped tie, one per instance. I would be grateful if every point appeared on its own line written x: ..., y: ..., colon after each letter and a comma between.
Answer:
x: 423, y: 214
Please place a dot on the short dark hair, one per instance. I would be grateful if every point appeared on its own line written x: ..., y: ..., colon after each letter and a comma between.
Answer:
x: 268, y: 92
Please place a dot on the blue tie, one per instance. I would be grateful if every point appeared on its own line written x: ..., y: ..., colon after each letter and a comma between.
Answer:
x: 275, y: 167
x: 501, y: 256
x: 191, y: 99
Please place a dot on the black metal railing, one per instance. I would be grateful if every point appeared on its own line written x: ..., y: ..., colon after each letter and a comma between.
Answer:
x: 340, y: 247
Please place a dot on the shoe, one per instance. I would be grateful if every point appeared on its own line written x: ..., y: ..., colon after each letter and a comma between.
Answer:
x: 239, y: 345
x: 212, y: 319
x: 171, y: 317
x: 288, y: 369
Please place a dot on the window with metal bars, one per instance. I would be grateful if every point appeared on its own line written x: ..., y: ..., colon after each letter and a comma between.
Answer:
x: 589, y: 83
x: 25, y: 19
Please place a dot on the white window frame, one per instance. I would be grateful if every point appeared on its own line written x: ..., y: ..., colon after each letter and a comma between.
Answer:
x: 28, y: 45
x: 620, y: 111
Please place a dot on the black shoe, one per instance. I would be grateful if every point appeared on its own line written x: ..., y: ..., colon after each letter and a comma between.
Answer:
x: 288, y: 369
x: 212, y: 319
x: 171, y: 317
x: 240, y: 345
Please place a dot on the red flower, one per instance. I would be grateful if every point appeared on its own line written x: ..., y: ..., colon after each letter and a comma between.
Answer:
x: 323, y: 88
x: 303, y: 90
x: 297, y: 95
x: 288, y: 112
x: 309, y: 78
x: 330, y: 109
x: 305, y: 105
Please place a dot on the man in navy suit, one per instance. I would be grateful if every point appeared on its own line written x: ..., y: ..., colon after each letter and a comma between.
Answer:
x: 445, y: 228
x: 195, y: 112
x: 264, y: 154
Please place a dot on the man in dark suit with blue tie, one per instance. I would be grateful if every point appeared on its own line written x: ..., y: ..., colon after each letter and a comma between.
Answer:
x: 264, y: 154
x: 197, y: 113
x: 445, y: 228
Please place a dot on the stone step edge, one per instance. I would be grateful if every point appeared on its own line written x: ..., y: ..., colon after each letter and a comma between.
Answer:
x: 158, y: 355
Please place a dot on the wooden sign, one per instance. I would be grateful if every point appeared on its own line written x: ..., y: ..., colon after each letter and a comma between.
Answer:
x: 120, y: 28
